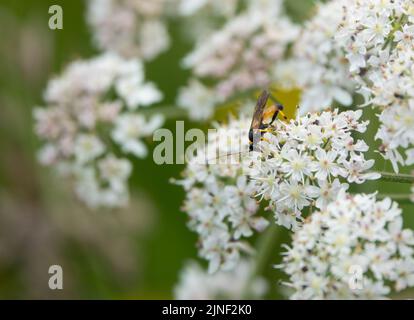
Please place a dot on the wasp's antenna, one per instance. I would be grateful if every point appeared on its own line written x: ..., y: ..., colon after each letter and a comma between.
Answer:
x: 279, y: 105
x: 279, y: 109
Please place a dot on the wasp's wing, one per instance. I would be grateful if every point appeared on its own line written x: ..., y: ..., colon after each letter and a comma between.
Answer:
x: 258, y: 110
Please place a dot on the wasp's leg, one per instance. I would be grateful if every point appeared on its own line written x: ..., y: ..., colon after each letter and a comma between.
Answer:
x: 269, y: 129
x: 279, y: 111
x: 251, y: 135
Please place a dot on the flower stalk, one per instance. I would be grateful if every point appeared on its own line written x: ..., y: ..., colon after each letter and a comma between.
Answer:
x: 265, y: 252
x: 400, y: 198
x: 394, y: 177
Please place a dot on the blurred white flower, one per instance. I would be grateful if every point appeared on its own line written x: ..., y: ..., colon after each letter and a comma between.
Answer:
x: 303, y: 163
x: 83, y: 112
x: 201, y: 18
x: 238, y: 55
x: 198, y: 99
x: 133, y: 88
x: 88, y: 147
x: 48, y: 154
x: 129, y: 128
x: 130, y: 28
x: 190, y: 7
x: 115, y: 171
x: 154, y: 38
x: 91, y: 191
x: 196, y: 284
x: 354, y: 248
x: 219, y: 199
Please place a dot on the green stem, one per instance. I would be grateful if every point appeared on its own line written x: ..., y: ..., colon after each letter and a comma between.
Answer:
x: 396, y: 196
x: 263, y: 258
x: 394, y: 177
x: 401, y: 198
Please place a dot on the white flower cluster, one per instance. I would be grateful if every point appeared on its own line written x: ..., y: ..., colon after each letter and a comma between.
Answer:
x: 197, y: 284
x: 198, y: 99
x: 317, y: 66
x: 85, y: 123
x: 237, y: 57
x: 218, y: 199
x: 300, y: 163
x: 354, y: 248
x: 377, y: 37
x: 201, y: 18
x: 129, y: 27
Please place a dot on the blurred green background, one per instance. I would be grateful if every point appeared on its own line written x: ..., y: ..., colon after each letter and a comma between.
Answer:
x: 133, y: 253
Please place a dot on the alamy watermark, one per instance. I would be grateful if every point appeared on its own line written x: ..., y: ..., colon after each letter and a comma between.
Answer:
x: 222, y: 145
x: 56, y: 278
x: 56, y: 18
x: 356, y: 279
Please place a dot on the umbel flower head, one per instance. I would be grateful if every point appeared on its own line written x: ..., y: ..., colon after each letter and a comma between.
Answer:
x: 354, y: 248
x: 91, y: 112
x: 129, y: 28
x: 378, y: 37
x: 218, y: 200
x: 237, y: 57
x: 195, y: 283
x: 316, y: 65
x: 307, y: 161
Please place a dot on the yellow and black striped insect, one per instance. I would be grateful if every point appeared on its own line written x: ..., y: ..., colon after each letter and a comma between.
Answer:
x: 263, y: 117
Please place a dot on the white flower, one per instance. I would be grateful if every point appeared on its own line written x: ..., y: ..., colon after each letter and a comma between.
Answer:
x: 376, y: 29
x: 90, y: 191
x: 190, y: 7
x: 87, y: 148
x: 132, y: 88
x: 197, y: 284
x: 328, y: 192
x: 115, y: 171
x: 323, y: 70
x: 154, y: 38
x: 297, y: 163
x: 377, y: 39
x: 219, y: 199
x: 48, y: 154
x: 130, y: 28
x: 129, y: 128
x: 238, y: 55
x: 326, y: 165
x: 364, y: 46
x: 402, y: 239
x: 396, y: 131
x: 198, y: 99
x: 357, y: 166
x: 86, y: 187
x: 82, y: 111
x: 350, y: 249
